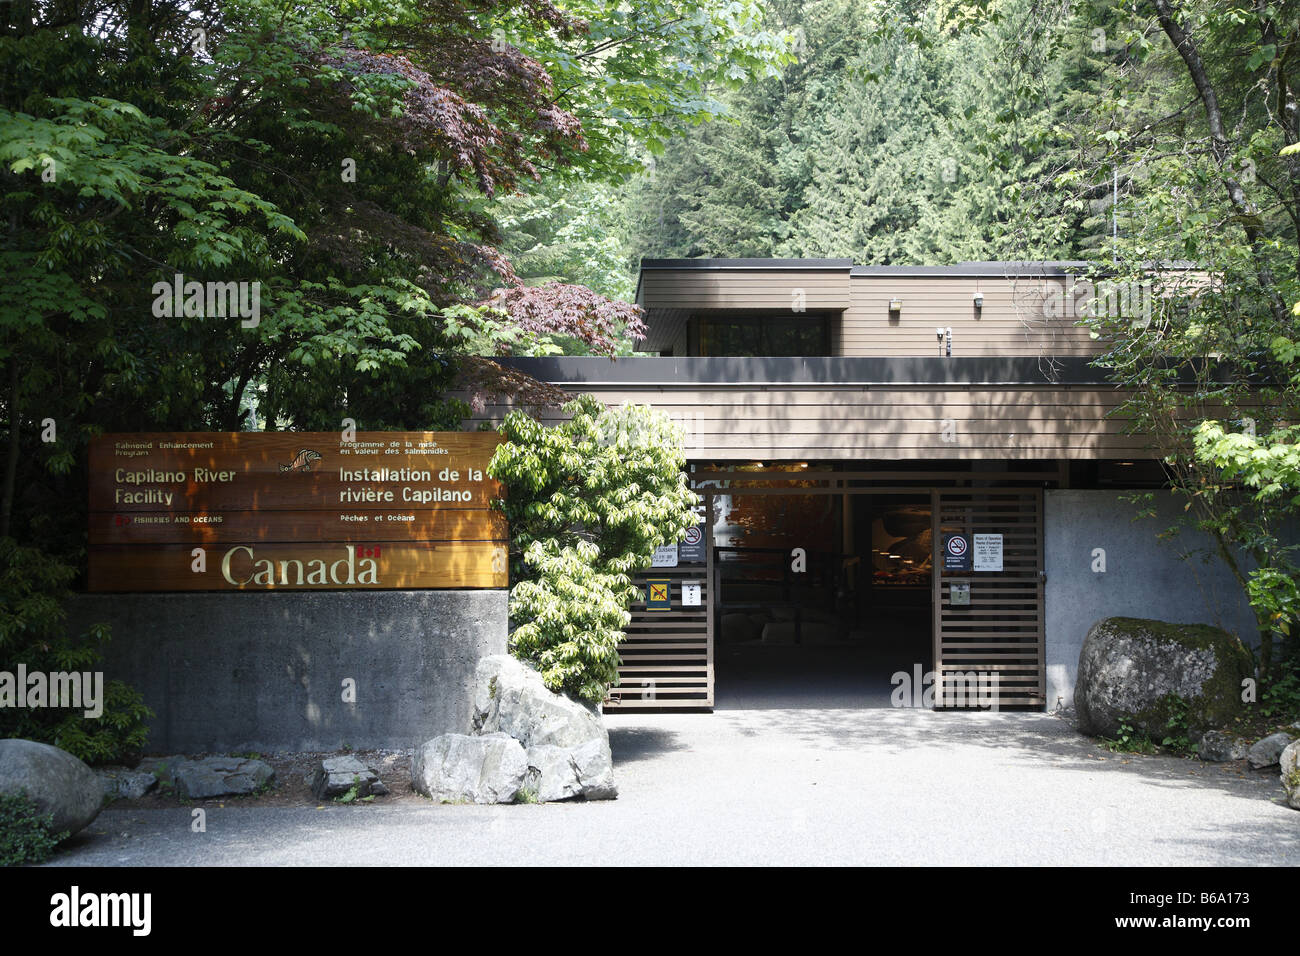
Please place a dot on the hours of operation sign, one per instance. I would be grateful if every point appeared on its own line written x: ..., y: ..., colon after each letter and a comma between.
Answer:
x: 206, y: 511
x: 988, y: 552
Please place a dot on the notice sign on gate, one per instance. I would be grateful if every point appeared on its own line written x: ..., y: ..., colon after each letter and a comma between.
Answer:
x: 956, y: 552
x: 665, y: 556
x: 691, y: 550
x: 988, y: 552
x: 659, y: 595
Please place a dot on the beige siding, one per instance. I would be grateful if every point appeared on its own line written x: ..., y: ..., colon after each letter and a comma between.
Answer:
x: 1012, y: 322
x: 738, y: 423
x: 745, y: 289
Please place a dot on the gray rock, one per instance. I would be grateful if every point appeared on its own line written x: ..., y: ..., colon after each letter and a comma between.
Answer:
x: 1290, y: 762
x: 1129, y: 668
x: 55, y: 781
x: 220, y: 777
x: 566, y: 773
x: 1267, y: 752
x: 163, y: 768
x: 337, y: 775
x: 510, y: 697
x: 1217, y: 747
x: 120, y: 783
x: 456, y: 768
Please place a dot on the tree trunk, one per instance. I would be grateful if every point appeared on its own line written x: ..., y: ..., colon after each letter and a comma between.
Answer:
x: 1219, y: 148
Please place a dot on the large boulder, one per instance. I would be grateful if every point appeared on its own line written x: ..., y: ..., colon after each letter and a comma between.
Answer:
x: 455, y: 768
x: 55, y: 781
x: 511, y: 698
x: 1290, y: 762
x: 1129, y: 669
x: 565, y: 773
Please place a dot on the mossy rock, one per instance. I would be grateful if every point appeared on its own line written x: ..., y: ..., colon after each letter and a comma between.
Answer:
x: 1137, y: 671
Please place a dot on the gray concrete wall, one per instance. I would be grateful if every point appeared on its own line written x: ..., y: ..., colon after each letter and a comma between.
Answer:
x: 264, y: 671
x: 1144, y: 577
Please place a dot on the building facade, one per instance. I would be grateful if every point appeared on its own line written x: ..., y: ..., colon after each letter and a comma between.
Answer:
x: 904, y: 470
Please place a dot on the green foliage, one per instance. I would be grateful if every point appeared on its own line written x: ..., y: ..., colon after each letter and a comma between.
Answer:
x: 25, y: 835
x: 1176, y: 729
x: 359, y: 162
x: 901, y: 134
x: 1280, y: 698
x: 33, y: 589
x: 353, y: 793
x: 588, y: 501
x: 1129, y: 740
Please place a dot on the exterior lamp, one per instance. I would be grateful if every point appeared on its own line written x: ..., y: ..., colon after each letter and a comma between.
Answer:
x: 979, y: 301
x: 895, y: 304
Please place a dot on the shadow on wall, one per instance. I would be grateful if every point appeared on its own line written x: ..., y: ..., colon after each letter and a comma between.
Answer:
x: 1144, y: 576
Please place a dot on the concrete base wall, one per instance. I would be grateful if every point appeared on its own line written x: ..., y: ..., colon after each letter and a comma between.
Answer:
x: 1144, y: 577
x: 265, y: 671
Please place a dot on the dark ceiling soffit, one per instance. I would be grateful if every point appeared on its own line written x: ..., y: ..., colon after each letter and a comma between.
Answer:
x: 832, y: 371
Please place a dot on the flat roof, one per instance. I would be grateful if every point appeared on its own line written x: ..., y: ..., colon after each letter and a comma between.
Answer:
x: 957, y: 270
x: 746, y: 264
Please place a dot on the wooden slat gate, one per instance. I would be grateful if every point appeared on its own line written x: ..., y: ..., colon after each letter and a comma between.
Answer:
x: 990, y: 652
x: 668, y: 655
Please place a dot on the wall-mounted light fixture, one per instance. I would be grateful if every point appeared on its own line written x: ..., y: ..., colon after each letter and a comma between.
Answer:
x: 895, y: 304
x: 979, y: 301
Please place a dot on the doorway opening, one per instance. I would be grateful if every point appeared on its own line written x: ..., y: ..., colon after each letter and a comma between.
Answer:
x: 835, y: 589
x: 820, y: 599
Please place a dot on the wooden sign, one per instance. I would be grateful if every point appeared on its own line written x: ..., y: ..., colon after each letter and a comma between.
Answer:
x: 207, y: 511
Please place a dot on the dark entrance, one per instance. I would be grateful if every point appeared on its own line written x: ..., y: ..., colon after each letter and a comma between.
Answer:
x: 820, y: 598
x: 821, y: 589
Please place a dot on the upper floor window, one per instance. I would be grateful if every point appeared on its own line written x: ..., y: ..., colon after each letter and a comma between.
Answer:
x: 805, y: 333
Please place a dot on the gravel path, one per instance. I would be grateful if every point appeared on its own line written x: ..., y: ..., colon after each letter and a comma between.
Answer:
x: 785, y: 786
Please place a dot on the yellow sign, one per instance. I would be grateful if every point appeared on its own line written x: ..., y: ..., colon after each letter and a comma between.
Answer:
x: 659, y: 595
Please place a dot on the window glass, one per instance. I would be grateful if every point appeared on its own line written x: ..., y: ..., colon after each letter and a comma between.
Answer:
x: 764, y: 336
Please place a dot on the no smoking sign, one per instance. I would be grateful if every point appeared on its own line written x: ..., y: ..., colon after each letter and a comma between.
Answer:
x: 956, y: 552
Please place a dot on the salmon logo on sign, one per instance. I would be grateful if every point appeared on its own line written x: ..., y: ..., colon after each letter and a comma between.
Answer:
x: 302, y: 461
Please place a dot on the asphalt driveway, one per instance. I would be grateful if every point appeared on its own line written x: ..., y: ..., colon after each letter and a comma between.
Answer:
x: 808, y: 785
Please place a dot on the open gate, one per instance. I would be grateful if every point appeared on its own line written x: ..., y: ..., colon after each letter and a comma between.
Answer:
x: 990, y: 651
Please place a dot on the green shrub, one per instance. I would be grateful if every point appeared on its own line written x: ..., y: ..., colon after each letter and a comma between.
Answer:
x: 588, y: 501
x: 25, y: 835
x: 33, y: 591
x: 1280, y: 700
